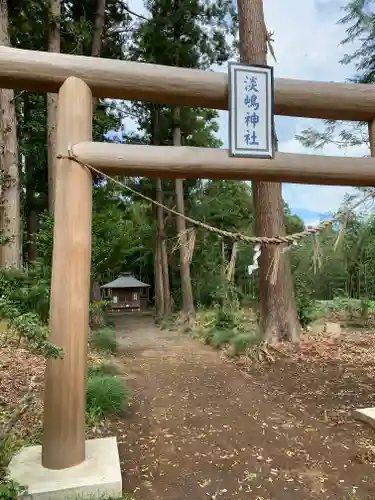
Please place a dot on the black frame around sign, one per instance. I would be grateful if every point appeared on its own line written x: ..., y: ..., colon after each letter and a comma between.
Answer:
x: 271, y: 72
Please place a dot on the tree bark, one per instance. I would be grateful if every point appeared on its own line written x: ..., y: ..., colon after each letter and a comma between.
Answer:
x: 31, y: 235
x: 164, y: 305
x: 158, y: 275
x: 278, y: 312
x: 97, y: 36
x: 163, y: 250
x: 10, y: 189
x: 53, y: 46
x: 98, y: 28
x: 186, y: 288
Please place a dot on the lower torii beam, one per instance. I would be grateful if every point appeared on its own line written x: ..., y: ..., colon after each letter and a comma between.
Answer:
x: 187, y: 162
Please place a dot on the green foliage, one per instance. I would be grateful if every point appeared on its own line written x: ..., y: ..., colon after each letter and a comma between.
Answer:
x: 110, y: 322
x: 24, y: 294
x: 27, y: 289
x: 227, y: 327
x: 10, y: 490
x: 221, y: 337
x: 345, y: 270
x: 105, y: 395
x: 104, y: 368
x: 360, y: 31
x: 241, y: 342
x: 30, y: 31
x: 105, y: 340
x: 24, y: 299
x: 305, y: 303
x: 226, y: 318
x: 44, y: 239
x: 97, y: 310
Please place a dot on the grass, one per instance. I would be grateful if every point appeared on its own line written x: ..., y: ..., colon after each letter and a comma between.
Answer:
x: 105, y: 395
x: 104, y: 368
x: 105, y: 340
x: 9, y: 489
x: 241, y: 342
x: 221, y: 337
x: 234, y: 329
x: 9, y: 447
x: 339, y: 304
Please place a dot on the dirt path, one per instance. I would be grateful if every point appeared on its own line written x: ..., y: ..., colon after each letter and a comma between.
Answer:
x: 200, y: 428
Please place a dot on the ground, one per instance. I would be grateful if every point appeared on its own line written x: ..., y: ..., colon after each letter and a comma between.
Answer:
x: 201, y: 426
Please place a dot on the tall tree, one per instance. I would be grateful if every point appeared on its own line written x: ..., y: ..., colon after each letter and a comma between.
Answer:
x: 98, y: 28
x: 9, y: 164
x: 278, y: 311
x: 53, y: 46
x: 188, y: 34
x: 163, y: 288
x: 162, y: 269
x: 186, y: 288
x: 79, y: 27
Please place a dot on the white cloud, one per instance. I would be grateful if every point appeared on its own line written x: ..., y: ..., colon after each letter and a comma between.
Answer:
x: 307, y: 47
x: 307, y: 38
x: 310, y: 51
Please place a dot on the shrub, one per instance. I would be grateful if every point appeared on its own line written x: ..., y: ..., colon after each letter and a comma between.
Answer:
x: 98, y: 311
x: 239, y: 343
x: 105, y: 395
x: 206, y: 335
x: 226, y: 318
x: 110, y: 322
x: 104, y: 339
x: 24, y: 306
x: 10, y: 490
x: 305, y: 304
x: 221, y: 337
x: 104, y: 368
x: 27, y: 290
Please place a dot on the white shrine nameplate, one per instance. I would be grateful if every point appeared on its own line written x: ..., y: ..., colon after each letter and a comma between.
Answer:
x: 250, y: 90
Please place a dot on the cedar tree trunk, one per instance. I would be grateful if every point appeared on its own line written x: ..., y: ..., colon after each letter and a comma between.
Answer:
x: 10, y: 188
x: 278, y: 313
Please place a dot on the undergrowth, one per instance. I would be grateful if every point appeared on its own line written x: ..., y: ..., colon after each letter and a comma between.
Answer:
x: 227, y: 328
x: 305, y: 304
x: 24, y: 306
x: 104, y: 339
x: 24, y: 311
x: 106, y: 367
x: 105, y: 395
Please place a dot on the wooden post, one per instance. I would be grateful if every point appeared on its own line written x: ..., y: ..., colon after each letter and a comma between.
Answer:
x: 64, y: 399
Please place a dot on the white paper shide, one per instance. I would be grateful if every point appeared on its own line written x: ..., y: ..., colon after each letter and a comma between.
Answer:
x: 250, y: 109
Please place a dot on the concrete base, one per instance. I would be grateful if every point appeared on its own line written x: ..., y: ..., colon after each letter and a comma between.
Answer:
x: 97, y: 477
x: 365, y: 415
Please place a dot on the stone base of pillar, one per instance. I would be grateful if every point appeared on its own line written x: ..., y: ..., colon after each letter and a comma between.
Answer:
x: 99, y: 476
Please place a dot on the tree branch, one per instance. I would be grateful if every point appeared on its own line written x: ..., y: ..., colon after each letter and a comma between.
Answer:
x: 134, y: 13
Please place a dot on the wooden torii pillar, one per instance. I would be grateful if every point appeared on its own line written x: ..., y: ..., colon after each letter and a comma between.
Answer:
x: 65, y: 380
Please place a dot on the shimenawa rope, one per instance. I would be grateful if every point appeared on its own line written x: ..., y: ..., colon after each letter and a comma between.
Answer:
x: 263, y: 240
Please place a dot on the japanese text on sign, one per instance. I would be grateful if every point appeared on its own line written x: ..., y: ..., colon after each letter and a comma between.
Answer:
x: 250, y: 108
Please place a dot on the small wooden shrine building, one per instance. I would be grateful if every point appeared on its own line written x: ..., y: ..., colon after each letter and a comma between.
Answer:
x: 126, y: 293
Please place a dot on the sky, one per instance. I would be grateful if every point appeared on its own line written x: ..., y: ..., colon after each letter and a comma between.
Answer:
x: 307, y: 47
